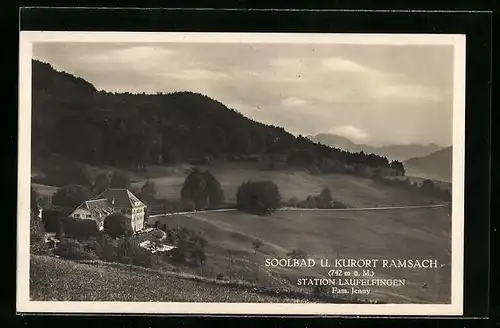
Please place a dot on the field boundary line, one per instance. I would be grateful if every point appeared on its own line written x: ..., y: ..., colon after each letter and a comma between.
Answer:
x: 292, y: 209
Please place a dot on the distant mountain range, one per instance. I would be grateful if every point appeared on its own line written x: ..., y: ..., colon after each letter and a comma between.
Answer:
x: 392, y: 152
x: 437, y: 165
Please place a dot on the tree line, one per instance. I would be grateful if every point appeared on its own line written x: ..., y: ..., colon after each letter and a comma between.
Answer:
x: 72, y: 118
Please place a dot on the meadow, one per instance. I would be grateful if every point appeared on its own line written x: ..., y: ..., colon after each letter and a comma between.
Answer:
x: 389, y: 234
x: 351, y: 190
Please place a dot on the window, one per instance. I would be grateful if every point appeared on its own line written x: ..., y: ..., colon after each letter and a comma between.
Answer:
x: 89, y: 216
x: 77, y: 215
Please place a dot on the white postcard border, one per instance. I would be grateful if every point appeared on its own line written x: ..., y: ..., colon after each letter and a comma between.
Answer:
x: 25, y: 305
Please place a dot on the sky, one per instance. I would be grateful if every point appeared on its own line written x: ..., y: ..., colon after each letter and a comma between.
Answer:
x: 371, y: 94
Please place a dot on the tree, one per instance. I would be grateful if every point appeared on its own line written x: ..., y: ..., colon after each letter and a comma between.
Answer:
x: 258, y: 197
x: 202, y: 189
x: 428, y: 186
x: 119, y: 180
x: 194, y: 189
x: 214, y: 190
x: 37, y: 236
x: 102, y: 182
x: 148, y: 190
x: 80, y: 176
x: 398, y: 166
x: 34, y: 201
x: 256, y: 244
x: 117, y: 225
x: 71, y: 196
x: 326, y: 197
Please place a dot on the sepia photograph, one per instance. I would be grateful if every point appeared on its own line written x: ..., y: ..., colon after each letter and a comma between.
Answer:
x: 241, y: 173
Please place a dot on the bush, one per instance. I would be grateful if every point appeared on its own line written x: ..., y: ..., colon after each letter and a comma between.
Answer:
x: 78, y: 228
x: 73, y: 250
x: 52, y: 219
x: 256, y: 244
x: 258, y: 197
x: 190, y: 246
x: 297, y: 254
x: 130, y: 252
x: 37, y: 236
x: 117, y: 225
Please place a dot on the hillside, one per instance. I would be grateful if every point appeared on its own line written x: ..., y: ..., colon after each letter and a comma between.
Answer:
x: 52, y: 279
x: 350, y: 190
x: 393, y: 152
x: 395, y: 234
x: 437, y: 165
x: 74, y: 120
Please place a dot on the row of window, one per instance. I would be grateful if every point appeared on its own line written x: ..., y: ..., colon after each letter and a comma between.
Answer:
x: 125, y: 211
x: 134, y: 211
x: 83, y: 216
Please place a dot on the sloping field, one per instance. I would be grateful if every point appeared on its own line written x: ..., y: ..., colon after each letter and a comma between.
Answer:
x: 44, y: 190
x: 52, y: 279
x: 392, y: 234
x: 352, y: 191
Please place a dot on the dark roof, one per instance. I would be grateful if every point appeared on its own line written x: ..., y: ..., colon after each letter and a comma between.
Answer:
x: 120, y: 198
x: 99, y: 208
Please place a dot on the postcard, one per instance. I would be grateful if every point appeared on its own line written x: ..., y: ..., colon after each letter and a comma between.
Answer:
x: 241, y: 173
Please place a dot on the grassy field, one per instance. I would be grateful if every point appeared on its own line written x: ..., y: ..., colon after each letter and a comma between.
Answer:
x: 352, y: 191
x: 52, y: 279
x: 393, y: 234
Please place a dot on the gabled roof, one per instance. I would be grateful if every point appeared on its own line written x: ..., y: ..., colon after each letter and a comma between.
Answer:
x: 120, y: 198
x: 99, y: 208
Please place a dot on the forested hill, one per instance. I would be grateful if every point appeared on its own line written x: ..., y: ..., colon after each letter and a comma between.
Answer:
x: 72, y: 118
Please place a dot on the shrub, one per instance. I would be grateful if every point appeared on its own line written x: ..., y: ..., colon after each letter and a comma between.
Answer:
x: 73, y: 250
x: 131, y: 253
x: 219, y: 276
x: 320, y: 290
x: 78, y: 228
x: 117, y: 225
x: 37, y: 236
x: 34, y: 201
x: 52, y: 219
x: 258, y: 197
x: 297, y: 254
x: 256, y: 244
x: 92, y: 245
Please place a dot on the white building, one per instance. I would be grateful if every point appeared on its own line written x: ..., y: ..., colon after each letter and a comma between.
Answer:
x: 112, y: 201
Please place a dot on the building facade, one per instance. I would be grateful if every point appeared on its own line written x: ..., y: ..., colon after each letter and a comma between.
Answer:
x: 113, y: 201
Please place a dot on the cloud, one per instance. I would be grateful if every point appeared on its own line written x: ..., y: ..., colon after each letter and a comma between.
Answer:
x: 351, y: 132
x: 293, y: 102
x: 341, y: 64
x: 401, y: 91
x: 357, y: 90
x: 196, y: 74
x: 131, y: 57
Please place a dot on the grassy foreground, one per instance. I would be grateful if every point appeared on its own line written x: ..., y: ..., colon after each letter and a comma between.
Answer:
x: 52, y: 279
